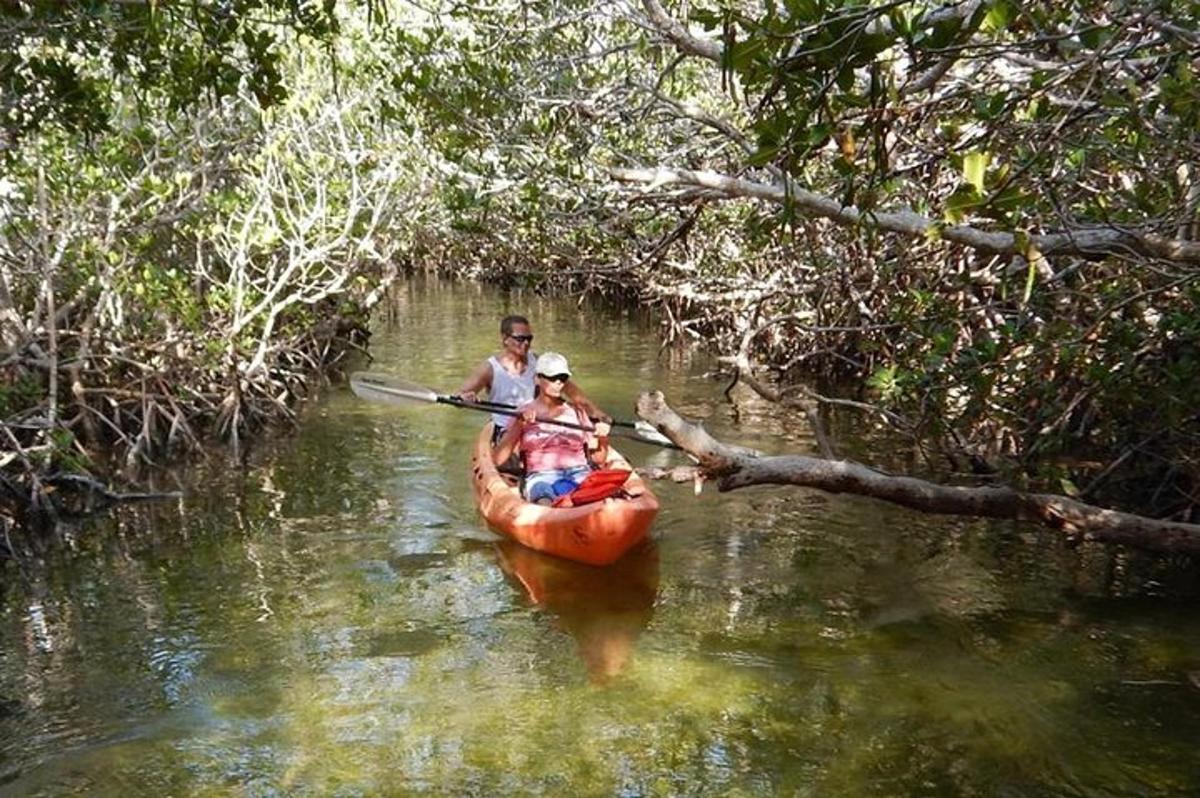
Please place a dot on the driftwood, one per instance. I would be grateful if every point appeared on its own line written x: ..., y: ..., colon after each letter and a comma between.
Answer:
x: 732, y: 468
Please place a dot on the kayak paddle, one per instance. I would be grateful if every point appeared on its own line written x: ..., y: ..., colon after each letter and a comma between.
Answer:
x: 390, y: 390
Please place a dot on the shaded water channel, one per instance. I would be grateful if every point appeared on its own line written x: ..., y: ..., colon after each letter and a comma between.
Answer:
x: 335, y: 620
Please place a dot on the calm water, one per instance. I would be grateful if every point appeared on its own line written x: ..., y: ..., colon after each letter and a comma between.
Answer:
x: 335, y: 620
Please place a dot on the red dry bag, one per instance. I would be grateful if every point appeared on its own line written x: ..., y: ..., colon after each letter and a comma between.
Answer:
x: 599, y: 484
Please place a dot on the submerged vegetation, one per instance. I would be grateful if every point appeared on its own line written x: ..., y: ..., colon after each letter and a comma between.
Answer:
x: 975, y: 223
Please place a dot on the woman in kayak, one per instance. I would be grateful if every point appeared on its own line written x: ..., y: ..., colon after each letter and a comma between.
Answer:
x: 556, y: 458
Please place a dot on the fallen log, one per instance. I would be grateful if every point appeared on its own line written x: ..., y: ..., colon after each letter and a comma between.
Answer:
x: 732, y: 467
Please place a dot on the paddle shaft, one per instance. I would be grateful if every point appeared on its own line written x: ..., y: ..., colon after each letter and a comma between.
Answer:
x: 383, y: 388
x: 500, y: 407
x: 503, y: 410
x: 495, y: 407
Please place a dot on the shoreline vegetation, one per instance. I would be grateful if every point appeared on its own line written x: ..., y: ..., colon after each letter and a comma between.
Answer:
x: 975, y: 227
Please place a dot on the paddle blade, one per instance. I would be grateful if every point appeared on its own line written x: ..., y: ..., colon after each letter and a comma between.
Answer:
x: 642, y: 432
x: 376, y: 387
x: 648, y: 433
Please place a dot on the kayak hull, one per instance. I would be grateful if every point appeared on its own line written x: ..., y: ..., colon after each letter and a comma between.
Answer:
x: 596, y: 534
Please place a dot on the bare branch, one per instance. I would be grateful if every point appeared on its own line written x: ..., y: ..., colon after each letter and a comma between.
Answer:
x: 679, y: 35
x: 1095, y: 240
x: 733, y: 469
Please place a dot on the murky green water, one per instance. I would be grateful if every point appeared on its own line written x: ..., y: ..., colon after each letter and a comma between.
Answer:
x: 335, y: 620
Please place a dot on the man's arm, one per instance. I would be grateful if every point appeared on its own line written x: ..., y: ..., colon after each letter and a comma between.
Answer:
x: 480, y: 380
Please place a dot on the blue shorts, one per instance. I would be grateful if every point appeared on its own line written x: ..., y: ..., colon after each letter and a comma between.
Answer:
x: 554, y: 483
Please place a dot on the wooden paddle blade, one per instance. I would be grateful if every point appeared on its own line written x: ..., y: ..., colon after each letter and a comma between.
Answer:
x: 385, y: 388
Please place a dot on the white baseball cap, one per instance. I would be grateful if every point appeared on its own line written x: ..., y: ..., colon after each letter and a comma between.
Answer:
x: 551, y: 363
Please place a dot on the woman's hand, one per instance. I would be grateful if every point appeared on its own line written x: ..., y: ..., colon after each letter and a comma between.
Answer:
x: 528, y: 415
x: 599, y: 436
x: 467, y: 396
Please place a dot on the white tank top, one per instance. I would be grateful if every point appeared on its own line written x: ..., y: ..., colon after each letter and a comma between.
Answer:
x: 510, y: 390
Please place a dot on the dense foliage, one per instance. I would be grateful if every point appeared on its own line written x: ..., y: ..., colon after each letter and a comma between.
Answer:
x: 61, y: 63
x: 181, y: 255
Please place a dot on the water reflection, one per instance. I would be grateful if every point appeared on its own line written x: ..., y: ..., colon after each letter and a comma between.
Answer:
x: 603, y: 609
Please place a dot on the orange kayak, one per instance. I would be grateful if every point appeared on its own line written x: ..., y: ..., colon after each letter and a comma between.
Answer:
x: 597, y: 533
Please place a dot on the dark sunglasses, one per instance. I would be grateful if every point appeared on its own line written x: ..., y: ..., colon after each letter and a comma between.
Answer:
x: 556, y: 377
x: 522, y: 338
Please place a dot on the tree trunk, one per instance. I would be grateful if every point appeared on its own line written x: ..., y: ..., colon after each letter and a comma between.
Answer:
x: 733, y: 468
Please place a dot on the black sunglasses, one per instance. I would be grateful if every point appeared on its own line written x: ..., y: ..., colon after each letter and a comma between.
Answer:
x: 556, y: 377
x: 522, y: 338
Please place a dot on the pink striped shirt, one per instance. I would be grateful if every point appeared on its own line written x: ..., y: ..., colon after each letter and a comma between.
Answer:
x: 546, y: 447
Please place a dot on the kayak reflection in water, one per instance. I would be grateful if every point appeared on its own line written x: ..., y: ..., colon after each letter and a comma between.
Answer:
x: 556, y: 458
x: 604, y: 609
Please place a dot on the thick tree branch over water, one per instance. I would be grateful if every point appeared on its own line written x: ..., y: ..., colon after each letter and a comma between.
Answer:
x: 734, y: 468
x: 874, y: 22
x: 678, y: 33
x: 1091, y: 240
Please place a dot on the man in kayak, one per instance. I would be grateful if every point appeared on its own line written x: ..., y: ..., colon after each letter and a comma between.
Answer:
x: 508, y: 376
x: 556, y: 458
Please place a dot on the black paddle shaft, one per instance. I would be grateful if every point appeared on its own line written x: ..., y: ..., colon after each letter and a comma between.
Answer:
x: 381, y: 387
x: 500, y: 409
x: 495, y: 407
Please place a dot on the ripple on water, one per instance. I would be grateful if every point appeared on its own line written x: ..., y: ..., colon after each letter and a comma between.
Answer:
x: 411, y: 642
x: 417, y: 561
x: 345, y: 526
x: 415, y: 463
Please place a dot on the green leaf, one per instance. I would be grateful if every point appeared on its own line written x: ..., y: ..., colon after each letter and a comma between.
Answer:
x: 943, y: 34
x: 804, y: 10
x: 1002, y: 204
x: 1032, y: 255
x: 845, y: 78
x: 817, y: 135
x: 902, y: 21
x: 744, y: 53
x: 990, y: 106
x: 885, y: 381
x: 964, y: 198
x: 998, y: 18
x: 975, y: 164
x: 763, y: 156
x: 1095, y: 37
